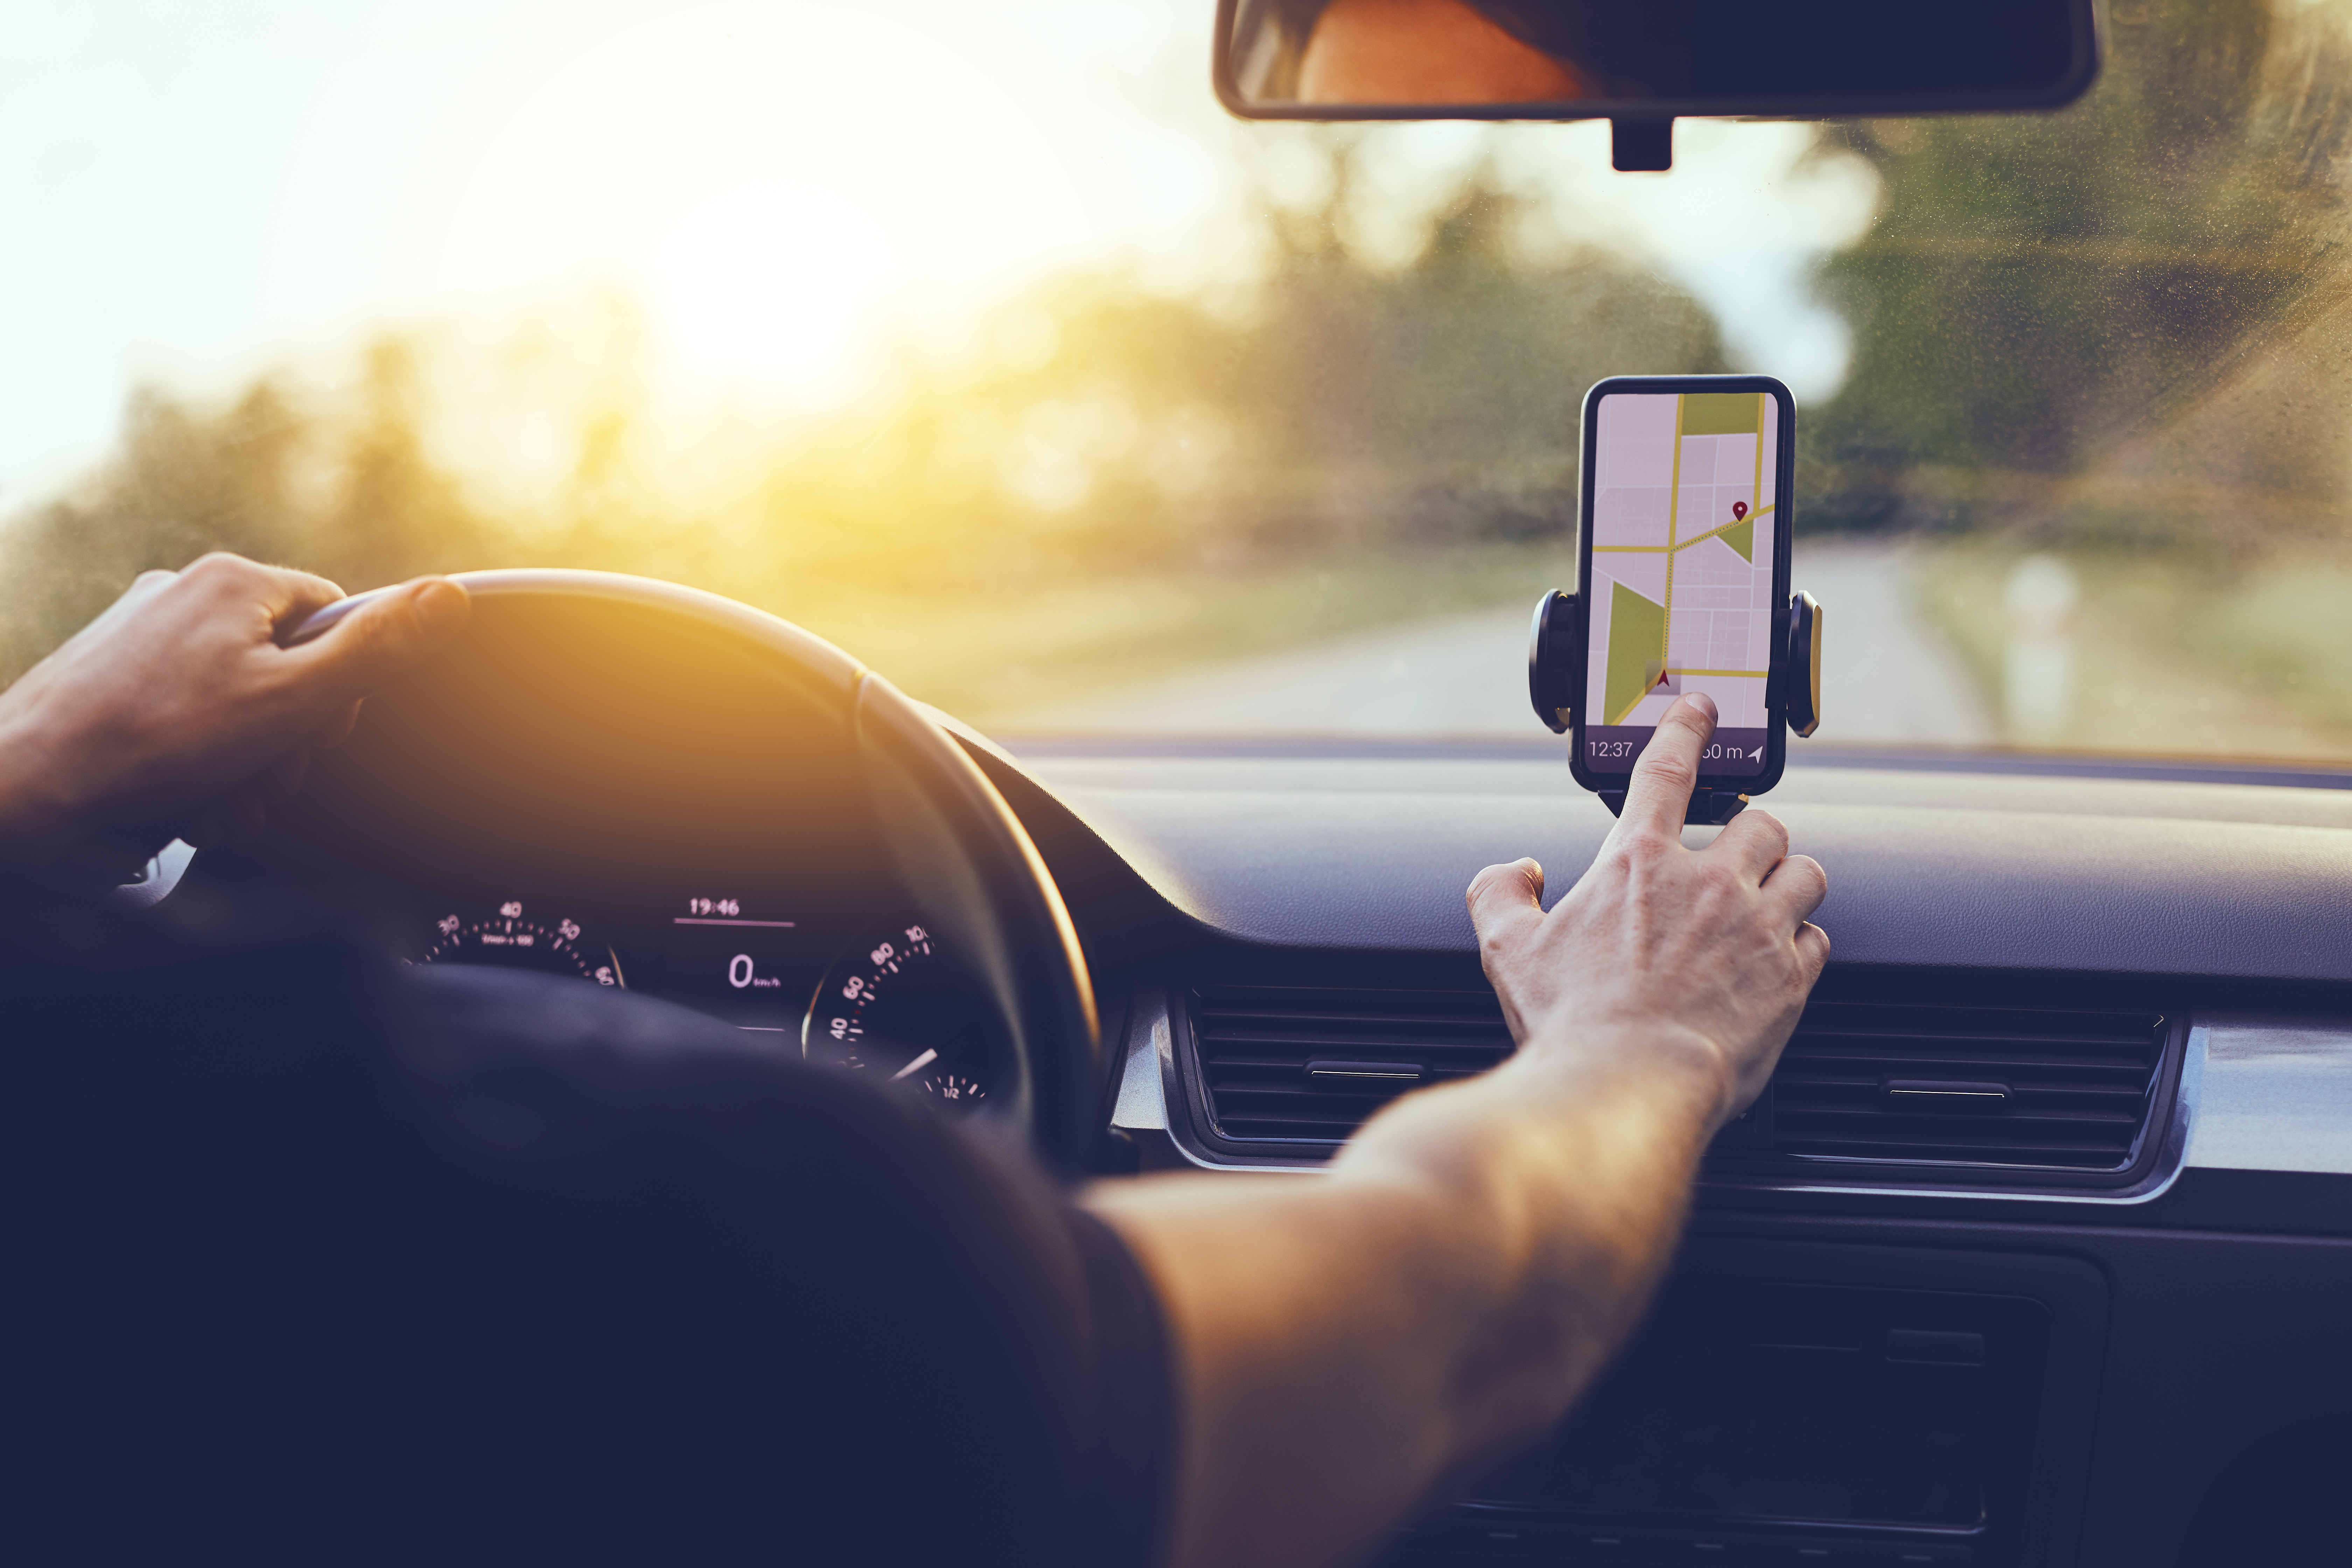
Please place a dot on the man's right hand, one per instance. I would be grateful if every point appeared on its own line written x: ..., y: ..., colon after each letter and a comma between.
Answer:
x: 1709, y: 948
x: 1479, y: 1248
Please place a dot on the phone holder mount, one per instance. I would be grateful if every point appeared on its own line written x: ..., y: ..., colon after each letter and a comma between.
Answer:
x: 1551, y: 686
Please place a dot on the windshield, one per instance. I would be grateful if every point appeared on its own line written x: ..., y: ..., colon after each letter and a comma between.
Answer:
x: 979, y: 340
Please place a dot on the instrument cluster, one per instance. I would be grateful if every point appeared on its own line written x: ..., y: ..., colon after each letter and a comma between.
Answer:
x: 891, y: 1002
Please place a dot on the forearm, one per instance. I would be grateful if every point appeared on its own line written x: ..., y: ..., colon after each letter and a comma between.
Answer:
x: 1351, y: 1344
x: 1566, y: 1173
x: 37, y: 820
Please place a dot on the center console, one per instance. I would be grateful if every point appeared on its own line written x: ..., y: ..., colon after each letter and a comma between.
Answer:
x: 1813, y: 1404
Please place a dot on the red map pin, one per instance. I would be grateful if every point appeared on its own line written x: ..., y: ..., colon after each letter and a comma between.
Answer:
x: 1739, y: 510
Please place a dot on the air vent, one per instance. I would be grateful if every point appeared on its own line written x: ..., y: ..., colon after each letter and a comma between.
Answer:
x: 1974, y: 1085
x: 1984, y: 1088
x: 1298, y: 1065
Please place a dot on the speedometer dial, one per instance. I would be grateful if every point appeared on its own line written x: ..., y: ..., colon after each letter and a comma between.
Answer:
x: 895, y: 1006
x: 512, y: 940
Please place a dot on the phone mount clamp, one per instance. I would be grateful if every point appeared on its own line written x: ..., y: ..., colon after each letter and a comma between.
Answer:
x: 1797, y: 683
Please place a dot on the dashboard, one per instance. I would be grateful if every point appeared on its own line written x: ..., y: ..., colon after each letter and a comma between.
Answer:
x: 2036, y: 1251
x: 2099, y: 1323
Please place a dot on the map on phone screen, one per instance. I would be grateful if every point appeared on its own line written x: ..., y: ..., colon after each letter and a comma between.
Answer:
x: 1683, y: 548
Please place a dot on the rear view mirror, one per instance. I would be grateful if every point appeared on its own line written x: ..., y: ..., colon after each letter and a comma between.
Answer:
x: 1641, y: 63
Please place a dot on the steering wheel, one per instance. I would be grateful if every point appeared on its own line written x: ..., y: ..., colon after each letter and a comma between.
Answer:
x: 957, y: 846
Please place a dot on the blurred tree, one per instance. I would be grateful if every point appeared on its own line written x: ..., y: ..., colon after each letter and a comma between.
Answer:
x: 2042, y: 292
x: 1348, y: 405
x: 243, y: 479
x: 395, y: 513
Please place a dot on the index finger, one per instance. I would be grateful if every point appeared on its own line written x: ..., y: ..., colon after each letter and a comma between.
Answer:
x: 1658, y: 798
x: 285, y: 594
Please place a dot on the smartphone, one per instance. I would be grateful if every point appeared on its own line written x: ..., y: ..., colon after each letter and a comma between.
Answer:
x: 1682, y: 571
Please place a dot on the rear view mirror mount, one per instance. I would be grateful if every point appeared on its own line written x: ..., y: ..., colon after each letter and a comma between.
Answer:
x: 1642, y: 67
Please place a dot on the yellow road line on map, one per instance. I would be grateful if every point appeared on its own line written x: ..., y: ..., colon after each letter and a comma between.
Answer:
x: 1673, y: 509
x: 1694, y: 539
x: 1756, y: 485
x: 1669, y: 549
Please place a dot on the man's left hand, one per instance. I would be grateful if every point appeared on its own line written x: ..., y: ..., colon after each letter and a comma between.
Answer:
x: 177, y: 714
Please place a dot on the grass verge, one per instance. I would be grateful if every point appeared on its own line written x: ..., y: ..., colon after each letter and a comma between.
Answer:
x: 2176, y: 657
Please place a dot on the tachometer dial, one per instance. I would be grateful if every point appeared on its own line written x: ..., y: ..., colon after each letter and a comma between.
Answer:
x: 512, y: 940
x: 896, y: 1007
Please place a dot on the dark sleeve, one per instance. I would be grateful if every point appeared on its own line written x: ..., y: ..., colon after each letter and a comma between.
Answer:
x: 336, y: 1267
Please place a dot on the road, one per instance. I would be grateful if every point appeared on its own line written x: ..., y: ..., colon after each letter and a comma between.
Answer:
x: 1887, y: 679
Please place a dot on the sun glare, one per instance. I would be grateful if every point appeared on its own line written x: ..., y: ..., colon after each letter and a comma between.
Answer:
x: 775, y: 289
x: 796, y: 202
x: 197, y: 195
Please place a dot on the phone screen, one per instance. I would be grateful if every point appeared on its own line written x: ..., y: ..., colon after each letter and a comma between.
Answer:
x: 1683, y: 534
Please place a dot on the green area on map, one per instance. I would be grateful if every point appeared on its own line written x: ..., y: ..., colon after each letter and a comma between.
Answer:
x: 1637, y: 649
x: 1741, y: 536
x: 1723, y: 412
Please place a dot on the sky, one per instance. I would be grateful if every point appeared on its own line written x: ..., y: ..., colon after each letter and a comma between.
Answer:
x: 196, y: 192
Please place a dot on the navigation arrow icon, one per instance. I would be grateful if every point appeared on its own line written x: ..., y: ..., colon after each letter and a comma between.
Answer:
x: 1756, y: 755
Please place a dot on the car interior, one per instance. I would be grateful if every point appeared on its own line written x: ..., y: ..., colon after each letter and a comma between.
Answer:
x: 2036, y: 1250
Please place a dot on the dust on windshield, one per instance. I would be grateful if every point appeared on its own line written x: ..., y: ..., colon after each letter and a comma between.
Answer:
x: 1075, y: 406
